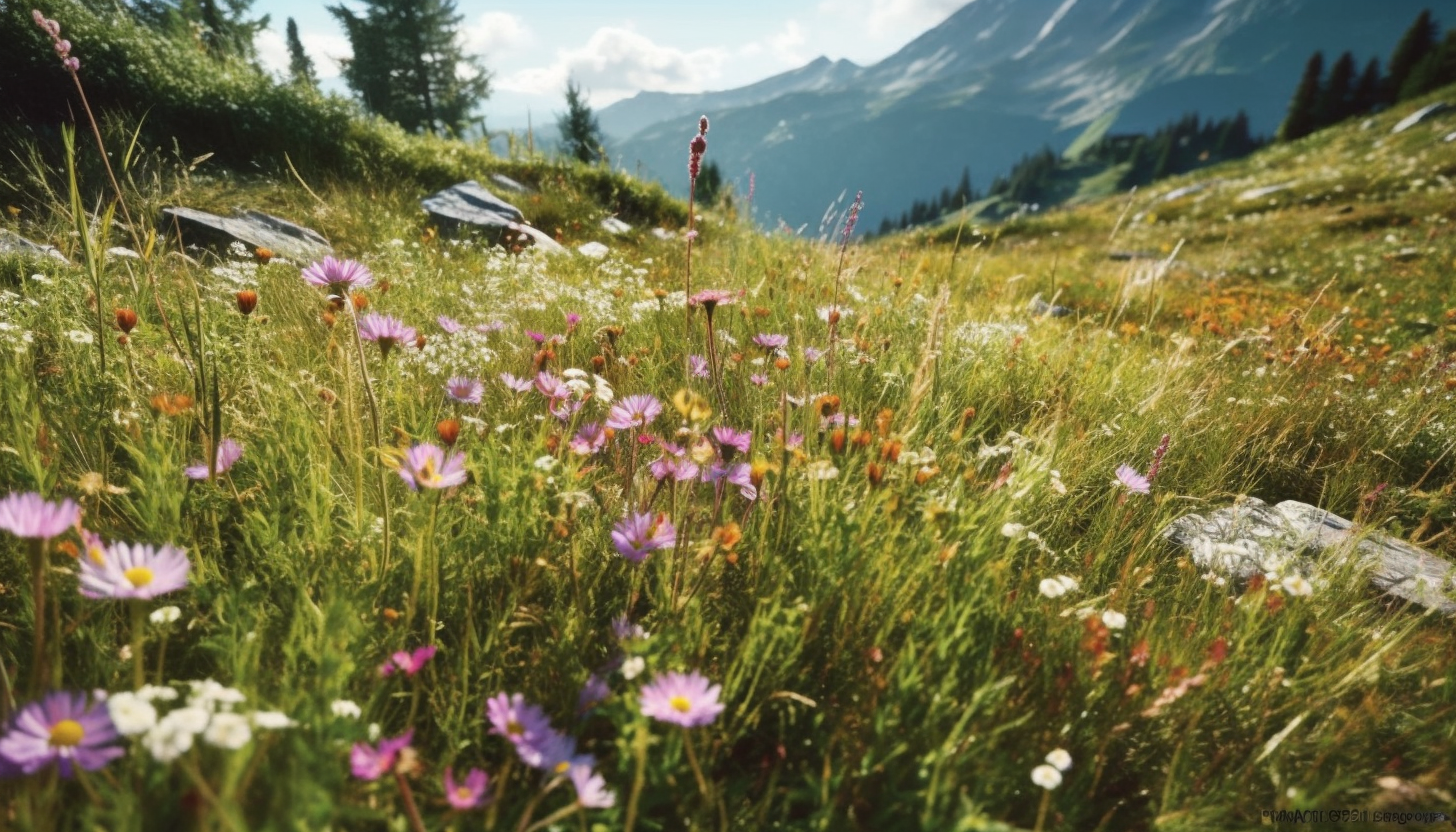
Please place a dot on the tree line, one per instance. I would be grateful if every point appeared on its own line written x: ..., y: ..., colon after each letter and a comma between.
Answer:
x: 1421, y: 62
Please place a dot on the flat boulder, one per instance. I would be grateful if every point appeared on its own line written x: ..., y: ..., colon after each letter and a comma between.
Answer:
x: 12, y: 242
x: 470, y: 204
x: 540, y: 239
x: 1292, y: 538
x: 253, y: 229
x: 1419, y: 116
x: 506, y: 183
x: 612, y: 225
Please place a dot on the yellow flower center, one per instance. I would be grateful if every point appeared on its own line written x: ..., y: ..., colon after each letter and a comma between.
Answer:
x: 427, y: 473
x: 463, y: 792
x: 562, y: 767
x: 97, y: 555
x: 138, y: 576
x: 680, y: 703
x: 515, y: 728
x: 67, y: 732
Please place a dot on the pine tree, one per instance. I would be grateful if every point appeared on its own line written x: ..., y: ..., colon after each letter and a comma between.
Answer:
x: 710, y: 184
x: 1437, y: 69
x: 1301, y: 119
x: 221, y: 27
x: 581, y: 135
x: 300, y: 66
x: 1367, y: 90
x: 1417, y: 42
x: 1335, y: 99
x: 408, y: 65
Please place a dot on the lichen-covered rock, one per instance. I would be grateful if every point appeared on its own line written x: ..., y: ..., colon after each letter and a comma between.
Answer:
x: 254, y: 229
x: 12, y: 242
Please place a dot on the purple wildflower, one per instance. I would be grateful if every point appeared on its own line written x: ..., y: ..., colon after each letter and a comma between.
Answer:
x: 538, y: 337
x: 1132, y: 480
x: 468, y: 794
x: 736, y: 473
x: 512, y: 717
x: 770, y: 342
x: 464, y: 390
x: 758, y: 379
x: 624, y: 629
x: 696, y: 148
x: 132, y: 570
x: 572, y: 320
x: 407, y: 662
x: 339, y: 276
x: 730, y: 439
x: 812, y: 355
x: 710, y: 299
x: 635, y: 412
x: 30, y: 515
x: 516, y: 385
x: 853, y: 217
x: 591, y: 788
x: 228, y: 452
x: 684, y: 699
x: 426, y: 466
x: 385, y: 330
x: 368, y: 762
x: 588, y: 440
x: 593, y: 693
x: 60, y: 729
x: 449, y: 324
x: 673, y: 466
x: 638, y: 535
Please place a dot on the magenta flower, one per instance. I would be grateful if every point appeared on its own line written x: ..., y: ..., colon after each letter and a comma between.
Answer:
x: 228, y: 452
x: 572, y: 320
x: 426, y: 466
x: 638, y: 535
x: 385, y: 330
x: 588, y: 440
x: 469, y: 794
x: 368, y: 762
x: 30, y: 515
x: 698, y: 365
x: 464, y: 390
x: 771, y: 342
x: 339, y: 276
x: 1132, y: 480
x: 758, y: 379
x: 449, y: 324
x: 560, y: 397
x: 591, y: 788
x: 635, y: 412
x: 684, y: 699
x: 60, y: 729
x: 515, y: 385
x: 730, y: 439
x: 710, y: 299
x: 672, y: 465
x: 408, y: 663
x: 131, y: 570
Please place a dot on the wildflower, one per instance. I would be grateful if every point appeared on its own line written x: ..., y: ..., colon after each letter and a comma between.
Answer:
x: 426, y: 466
x: 1046, y: 776
x: 130, y: 713
x: 1059, y: 759
x: 31, y: 516
x: 698, y: 366
x: 624, y: 629
x: 228, y: 730
x: 572, y: 320
x: 853, y: 217
x: 133, y: 570
x: 450, y: 325
x: 1158, y: 457
x: 684, y: 699
x: 339, y: 276
x: 368, y: 762
x: 633, y: 667
x: 448, y: 430
x: 696, y: 148
x: 464, y: 390
x: 1297, y: 585
x: 741, y: 475
x: 593, y: 693
x: 345, y: 709
x: 247, y: 301
x: 157, y: 693
x: 126, y: 319
x: 636, y: 412
x: 385, y: 330
x: 589, y: 439
x: 408, y: 662
x: 769, y: 342
x: 758, y: 379
x: 638, y: 535
x: 60, y: 729
x: 1114, y: 620
x: 270, y: 720
x: 515, y: 385
x: 1133, y: 481
x: 591, y: 788
x: 228, y: 452
x: 512, y: 717
x: 673, y: 465
x: 469, y: 793
x: 812, y: 355
x: 730, y: 440
x: 710, y: 299
x: 173, y: 735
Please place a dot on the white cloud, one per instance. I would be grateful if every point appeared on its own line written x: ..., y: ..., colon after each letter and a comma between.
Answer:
x: 325, y: 48
x: 496, y: 32
x: 893, y: 20
x: 787, y: 44
x: 615, y: 63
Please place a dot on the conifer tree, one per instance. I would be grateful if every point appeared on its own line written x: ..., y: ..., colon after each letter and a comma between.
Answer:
x: 1417, y: 42
x: 1367, y: 90
x: 1338, y: 93
x: 408, y: 65
x: 581, y: 135
x: 222, y: 27
x: 1301, y: 118
x: 1437, y: 69
x: 300, y: 66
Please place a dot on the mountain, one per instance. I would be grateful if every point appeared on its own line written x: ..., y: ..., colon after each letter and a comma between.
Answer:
x: 994, y: 81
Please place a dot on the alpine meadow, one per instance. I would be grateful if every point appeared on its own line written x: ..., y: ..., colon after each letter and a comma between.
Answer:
x: 509, y: 490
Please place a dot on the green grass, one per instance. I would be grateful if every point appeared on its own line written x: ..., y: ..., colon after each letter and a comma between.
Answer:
x: 886, y: 657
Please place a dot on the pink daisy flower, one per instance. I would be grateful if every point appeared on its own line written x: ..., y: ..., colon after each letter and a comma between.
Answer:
x: 426, y: 466
x: 132, y: 570
x: 469, y: 793
x: 60, y: 729
x: 638, y: 535
x: 685, y: 699
x: 1132, y: 480
x: 228, y: 452
x: 408, y: 663
x: 464, y: 390
x: 385, y: 330
x: 30, y: 515
x: 634, y: 412
x: 339, y: 276
x: 369, y: 762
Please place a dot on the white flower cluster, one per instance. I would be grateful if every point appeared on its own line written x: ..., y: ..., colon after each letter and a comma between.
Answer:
x: 975, y: 338
x: 466, y: 352
x: 1049, y: 774
x: 14, y: 336
x: 208, y: 712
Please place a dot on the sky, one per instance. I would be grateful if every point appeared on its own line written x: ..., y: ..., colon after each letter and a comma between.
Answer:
x: 616, y: 49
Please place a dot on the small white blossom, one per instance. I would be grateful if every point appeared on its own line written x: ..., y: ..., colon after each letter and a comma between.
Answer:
x: 130, y: 713
x: 1016, y: 531
x: 1046, y: 776
x: 157, y: 693
x: 191, y: 719
x: 165, y: 615
x: 345, y: 709
x: 1297, y: 585
x: 271, y: 720
x: 228, y: 730
x: 81, y: 336
x: 167, y: 740
x: 1114, y: 619
x: 1059, y: 759
x: 632, y: 667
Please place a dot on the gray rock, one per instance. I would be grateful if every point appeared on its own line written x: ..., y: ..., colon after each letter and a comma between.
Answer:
x: 612, y: 225
x: 1038, y: 307
x: 593, y: 249
x: 470, y: 204
x: 253, y: 229
x: 10, y: 241
x: 664, y: 234
x: 1450, y: 137
x: 123, y: 252
x: 509, y: 184
x: 541, y: 239
x: 1419, y: 116
x: 1260, y: 193
x: 1251, y: 537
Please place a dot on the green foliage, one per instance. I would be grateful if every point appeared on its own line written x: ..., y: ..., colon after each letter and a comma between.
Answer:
x: 221, y: 27
x: 1303, y: 116
x: 300, y: 65
x: 581, y: 135
x: 408, y: 65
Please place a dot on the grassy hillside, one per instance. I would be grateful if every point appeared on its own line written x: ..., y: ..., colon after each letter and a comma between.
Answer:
x: 870, y: 589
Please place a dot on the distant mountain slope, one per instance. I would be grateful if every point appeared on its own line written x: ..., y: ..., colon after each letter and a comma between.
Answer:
x: 995, y: 80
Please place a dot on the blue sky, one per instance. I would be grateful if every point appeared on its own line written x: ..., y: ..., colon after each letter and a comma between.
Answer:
x: 616, y: 49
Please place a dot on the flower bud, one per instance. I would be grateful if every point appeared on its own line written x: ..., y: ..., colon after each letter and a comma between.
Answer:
x: 448, y: 430
x: 126, y: 319
x: 247, y: 301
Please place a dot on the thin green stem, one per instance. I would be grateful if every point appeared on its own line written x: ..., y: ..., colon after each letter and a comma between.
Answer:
x: 639, y: 774
x: 38, y: 598
x: 374, y: 423
x: 138, y: 641
x: 693, y: 761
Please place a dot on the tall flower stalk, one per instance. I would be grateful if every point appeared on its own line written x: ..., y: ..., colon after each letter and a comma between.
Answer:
x: 838, y: 274
x: 696, y: 148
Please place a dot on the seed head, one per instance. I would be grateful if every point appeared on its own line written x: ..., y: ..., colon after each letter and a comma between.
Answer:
x: 247, y: 301
x: 126, y: 319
